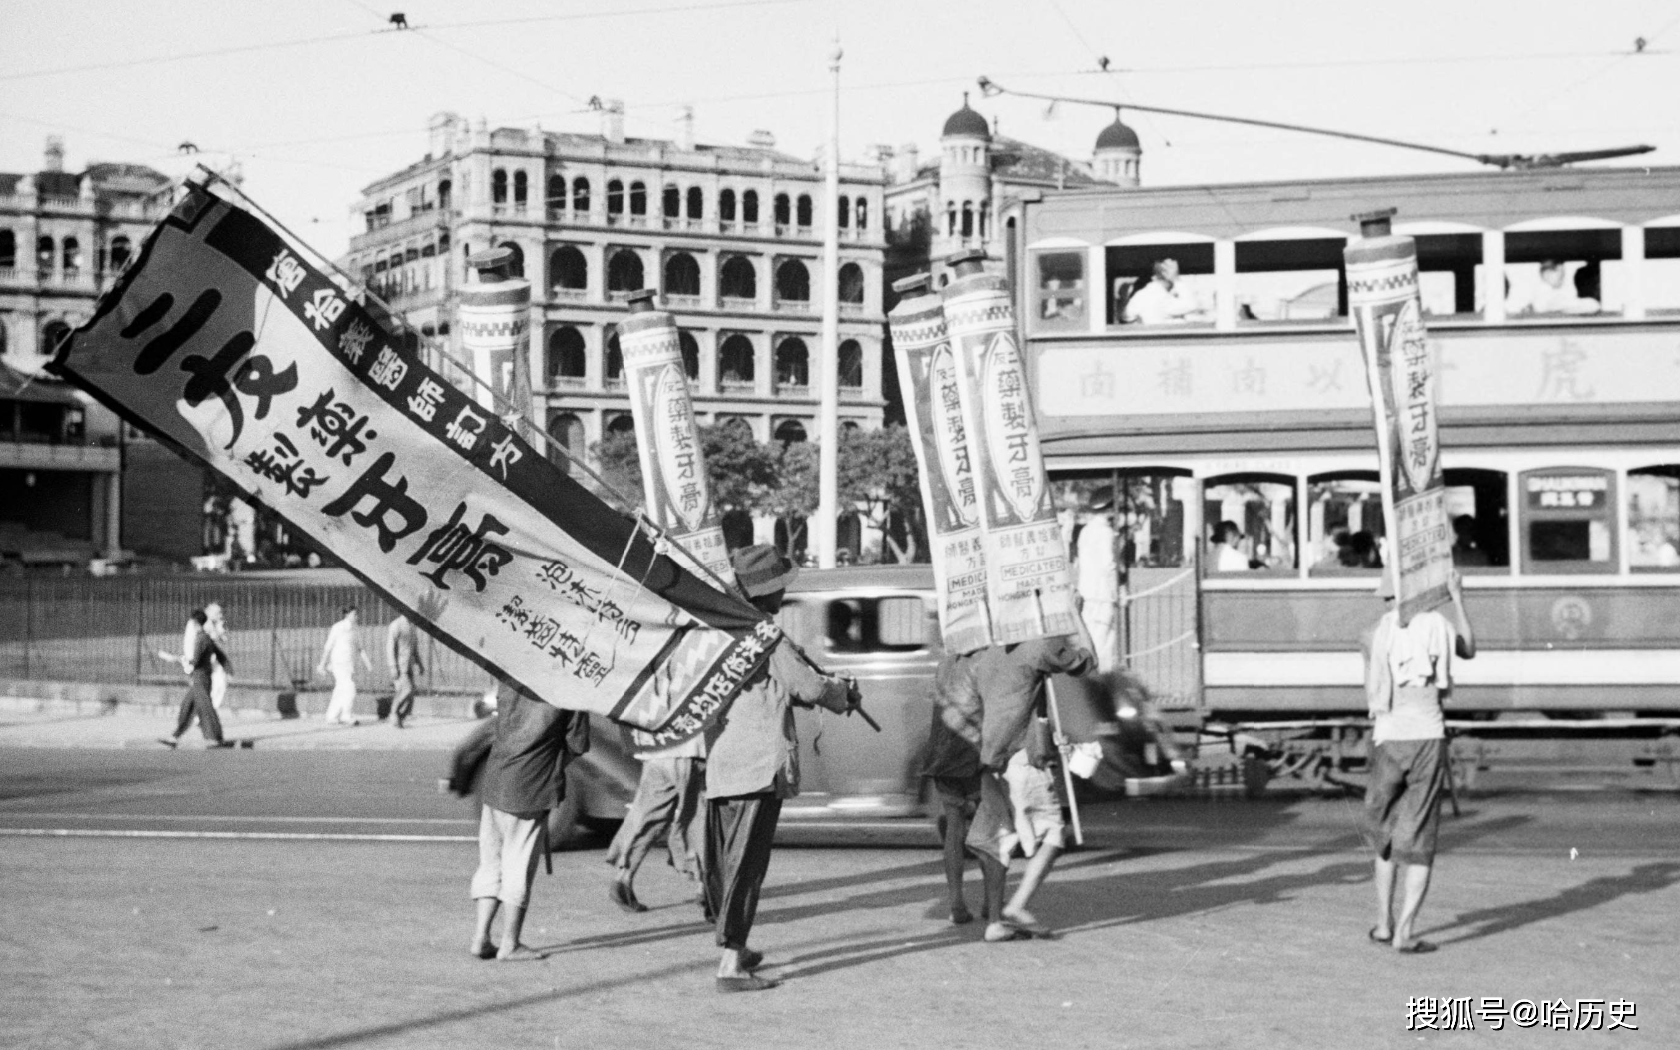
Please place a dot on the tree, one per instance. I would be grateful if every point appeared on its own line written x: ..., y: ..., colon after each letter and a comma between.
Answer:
x: 621, y: 469
x: 738, y: 468
x: 793, y: 496
x: 878, y: 471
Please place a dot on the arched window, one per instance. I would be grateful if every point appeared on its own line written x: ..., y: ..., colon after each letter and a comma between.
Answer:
x: 444, y: 190
x: 735, y: 361
x: 671, y: 202
x: 624, y: 271
x: 845, y: 212
x: 793, y: 282
x: 44, y: 251
x: 567, y: 268
x: 567, y: 433
x: 851, y: 365
x: 968, y: 219
x: 682, y: 274
x: 790, y: 431
x: 738, y: 279
x: 696, y: 203
x: 614, y: 356
x: 556, y: 192
x: 515, y: 267
x: 72, y: 254
x: 622, y: 424
x: 863, y: 213
x: 498, y: 186
x: 566, y: 354
x: 749, y: 206
x: 804, y: 212
x: 521, y: 188
x: 851, y: 283
x: 8, y: 249
x: 638, y: 199
x: 615, y: 197
x: 52, y: 333
x: 951, y: 220
x: 784, y: 210
x: 580, y: 194
x: 726, y: 206
x: 120, y: 253
x: 793, y: 363
x: 690, y: 354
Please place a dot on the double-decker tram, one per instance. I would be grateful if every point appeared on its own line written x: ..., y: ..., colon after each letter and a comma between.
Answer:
x: 1192, y: 352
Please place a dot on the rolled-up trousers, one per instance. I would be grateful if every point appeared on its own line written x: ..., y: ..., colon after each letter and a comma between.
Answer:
x: 739, y: 834
x: 670, y: 802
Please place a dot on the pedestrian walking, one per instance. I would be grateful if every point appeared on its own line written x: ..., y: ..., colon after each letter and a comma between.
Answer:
x: 752, y: 765
x: 216, y: 628
x: 953, y: 769
x: 524, y: 777
x: 339, y: 656
x: 670, y: 804
x: 402, y: 658
x: 1408, y: 676
x: 197, y: 657
x: 1019, y: 803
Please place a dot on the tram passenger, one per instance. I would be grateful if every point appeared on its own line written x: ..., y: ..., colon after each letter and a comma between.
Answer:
x: 1465, y: 552
x: 1552, y: 296
x: 1163, y: 300
x: 1408, y: 675
x: 1227, y: 555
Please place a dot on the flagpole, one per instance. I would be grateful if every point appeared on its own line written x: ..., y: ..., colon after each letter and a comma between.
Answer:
x: 825, y: 527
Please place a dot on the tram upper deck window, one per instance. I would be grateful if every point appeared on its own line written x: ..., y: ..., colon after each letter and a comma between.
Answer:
x: 1345, y: 524
x: 1291, y: 280
x: 1653, y: 519
x: 1552, y: 273
x: 1568, y: 520
x: 1250, y: 523
x: 1662, y: 270
x: 1153, y: 284
x: 1449, y: 270
x: 1476, y: 506
x: 1062, y: 293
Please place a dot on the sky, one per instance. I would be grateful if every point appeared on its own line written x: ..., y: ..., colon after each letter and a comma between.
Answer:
x: 314, y: 99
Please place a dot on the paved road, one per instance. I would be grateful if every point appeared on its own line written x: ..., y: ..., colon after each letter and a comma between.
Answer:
x: 1187, y: 924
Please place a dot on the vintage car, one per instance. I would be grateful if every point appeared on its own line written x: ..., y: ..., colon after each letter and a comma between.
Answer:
x: 878, y: 624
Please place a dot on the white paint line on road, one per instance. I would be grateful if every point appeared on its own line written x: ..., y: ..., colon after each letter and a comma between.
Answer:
x: 299, y: 836
x: 14, y: 814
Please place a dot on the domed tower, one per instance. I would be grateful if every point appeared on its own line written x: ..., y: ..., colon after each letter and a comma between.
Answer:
x: 1118, y: 155
x: 965, y: 180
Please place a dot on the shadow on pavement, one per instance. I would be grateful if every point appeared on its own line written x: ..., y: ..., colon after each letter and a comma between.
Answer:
x: 1486, y: 922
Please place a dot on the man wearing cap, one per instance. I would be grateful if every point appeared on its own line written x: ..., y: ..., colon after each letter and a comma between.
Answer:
x: 1408, y: 674
x: 752, y: 764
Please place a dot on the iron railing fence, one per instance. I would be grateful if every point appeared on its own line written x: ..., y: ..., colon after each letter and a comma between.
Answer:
x: 111, y: 630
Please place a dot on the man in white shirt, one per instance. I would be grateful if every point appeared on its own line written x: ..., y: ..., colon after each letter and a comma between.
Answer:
x: 1163, y: 300
x: 1552, y: 296
x: 1408, y: 673
x: 339, y: 656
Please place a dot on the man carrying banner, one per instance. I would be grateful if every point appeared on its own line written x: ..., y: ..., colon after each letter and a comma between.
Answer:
x: 1018, y: 800
x: 524, y: 777
x: 1408, y: 674
x: 753, y: 765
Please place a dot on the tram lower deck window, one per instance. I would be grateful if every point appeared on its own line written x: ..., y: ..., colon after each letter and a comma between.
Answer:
x: 1653, y: 519
x: 1250, y: 520
x: 1568, y: 520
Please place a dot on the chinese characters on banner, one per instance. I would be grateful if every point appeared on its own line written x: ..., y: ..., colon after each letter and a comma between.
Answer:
x: 927, y: 371
x: 674, y: 482
x: 225, y: 343
x: 1028, y: 589
x: 1402, y: 369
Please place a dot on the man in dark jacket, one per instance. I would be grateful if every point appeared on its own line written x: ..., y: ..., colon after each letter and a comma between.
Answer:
x: 524, y: 777
x: 953, y: 767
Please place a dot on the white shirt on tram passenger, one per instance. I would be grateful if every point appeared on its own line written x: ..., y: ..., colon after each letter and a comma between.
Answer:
x: 1155, y: 303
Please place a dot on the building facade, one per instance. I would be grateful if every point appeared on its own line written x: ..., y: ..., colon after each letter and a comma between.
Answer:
x: 730, y: 236
x: 64, y: 237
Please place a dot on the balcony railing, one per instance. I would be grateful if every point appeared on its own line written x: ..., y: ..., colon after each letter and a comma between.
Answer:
x: 738, y: 302
x: 793, y: 306
x: 692, y: 301
x: 568, y: 294
x: 559, y: 382
x: 851, y: 309
x: 737, y: 387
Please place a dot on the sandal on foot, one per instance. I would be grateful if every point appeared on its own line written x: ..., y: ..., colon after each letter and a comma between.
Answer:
x: 521, y: 953
x: 961, y: 916
x: 752, y: 982
x: 486, y: 951
x: 625, y: 898
x: 1029, y: 926
x: 751, y: 960
x: 1417, y: 948
x: 997, y: 933
x: 1371, y: 935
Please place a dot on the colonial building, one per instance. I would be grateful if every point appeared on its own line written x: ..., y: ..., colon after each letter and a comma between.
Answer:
x: 958, y: 202
x: 731, y: 236
x: 64, y: 237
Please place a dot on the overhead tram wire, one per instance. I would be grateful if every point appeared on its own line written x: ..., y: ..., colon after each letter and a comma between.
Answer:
x: 990, y: 89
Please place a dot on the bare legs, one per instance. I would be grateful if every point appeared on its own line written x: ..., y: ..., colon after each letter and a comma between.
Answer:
x: 1414, y: 880
x: 953, y: 826
x: 513, y: 922
x: 1015, y: 912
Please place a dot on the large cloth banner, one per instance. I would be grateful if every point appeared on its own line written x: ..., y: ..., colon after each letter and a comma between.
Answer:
x: 679, y: 498
x: 1028, y: 589
x: 929, y: 378
x: 1402, y: 368
x: 226, y: 343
